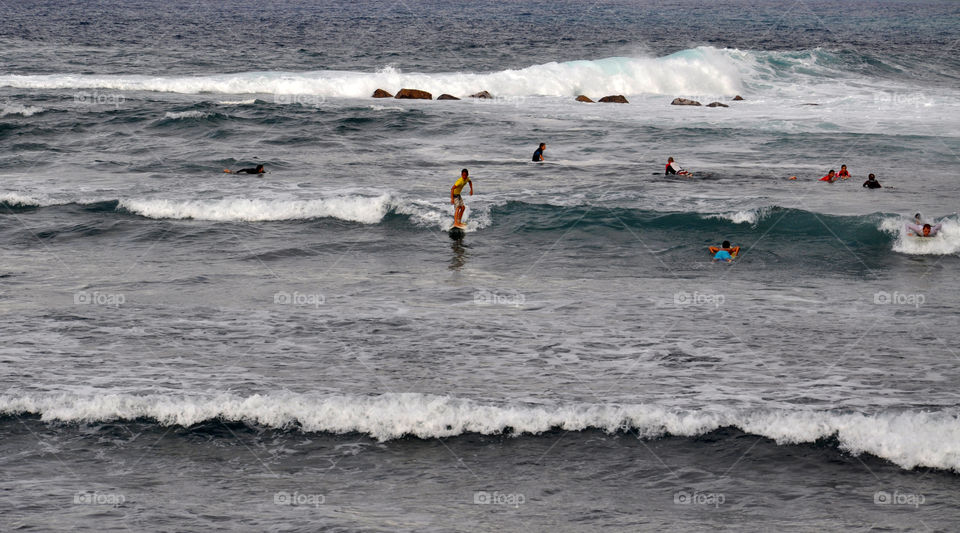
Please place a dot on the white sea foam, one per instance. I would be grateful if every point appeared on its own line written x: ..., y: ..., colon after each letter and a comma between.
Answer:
x: 699, y: 71
x: 946, y: 242
x: 354, y: 208
x: 17, y: 109
x: 906, y: 438
x: 14, y: 198
x: 368, y: 210
x: 185, y: 114
x: 746, y: 216
x: 251, y: 101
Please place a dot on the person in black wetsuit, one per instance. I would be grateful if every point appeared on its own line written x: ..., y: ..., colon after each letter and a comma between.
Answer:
x: 872, y: 182
x: 258, y: 170
x: 538, y: 155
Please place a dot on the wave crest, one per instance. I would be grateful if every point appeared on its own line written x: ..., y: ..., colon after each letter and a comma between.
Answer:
x: 906, y: 438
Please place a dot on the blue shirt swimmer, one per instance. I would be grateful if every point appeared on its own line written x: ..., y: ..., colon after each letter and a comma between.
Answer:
x: 724, y: 256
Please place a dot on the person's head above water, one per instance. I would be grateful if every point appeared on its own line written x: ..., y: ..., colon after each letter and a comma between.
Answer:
x: 726, y: 244
x: 260, y: 169
x: 843, y: 167
x: 669, y: 160
x: 926, y: 229
x: 916, y: 218
x: 832, y: 172
x: 464, y: 173
x: 543, y: 145
x: 871, y: 177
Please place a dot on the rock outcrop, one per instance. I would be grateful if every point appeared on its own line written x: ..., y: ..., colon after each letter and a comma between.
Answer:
x: 481, y: 94
x: 614, y: 99
x: 446, y: 96
x: 583, y: 98
x: 380, y: 93
x: 737, y: 98
x: 717, y: 104
x: 414, y: 94
x: 684, y: 101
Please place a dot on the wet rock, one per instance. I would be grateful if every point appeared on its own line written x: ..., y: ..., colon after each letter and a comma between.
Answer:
x: 380, y: 93
x: 583, y: 98
x: 414, y: 94
x: 446, y: 96
x: 738, y: 98
x: 717, y: 104
x: 481, y: 94
x: 684, y: 101
x: 615, y: 99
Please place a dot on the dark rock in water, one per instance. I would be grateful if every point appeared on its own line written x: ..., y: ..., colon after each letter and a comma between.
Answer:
x: 583, y: 98
x: 456, y: 233
x: 446, y: 96
x: 380, y: 93
x: 481, y: 94
x: 414, y: 94
x: 810, y: 104
x: 717, y: 104
x: 614, y: 99
x: 684, y: 101
x: 737, y: 98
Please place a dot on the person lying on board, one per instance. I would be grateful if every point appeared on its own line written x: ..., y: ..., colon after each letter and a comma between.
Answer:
x: 843, y: 174
x: 725, y: 252
x: 258, y: 170
x: 830, y: 177
x: 872, y: 182
x: 674, y: 168
x: 924, y: 231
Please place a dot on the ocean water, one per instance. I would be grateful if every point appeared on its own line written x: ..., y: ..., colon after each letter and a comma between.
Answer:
x: 190, y: 350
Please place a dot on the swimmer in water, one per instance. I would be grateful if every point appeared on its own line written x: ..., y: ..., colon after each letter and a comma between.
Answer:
x: 258, y: 170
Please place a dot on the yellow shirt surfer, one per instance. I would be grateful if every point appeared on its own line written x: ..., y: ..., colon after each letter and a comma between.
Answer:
x: 457, y: 200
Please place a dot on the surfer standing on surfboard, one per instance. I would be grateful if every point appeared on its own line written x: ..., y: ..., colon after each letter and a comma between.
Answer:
x: 457, y: 200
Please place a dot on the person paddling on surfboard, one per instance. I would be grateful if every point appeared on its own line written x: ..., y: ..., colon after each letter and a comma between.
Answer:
x: 843, y: 174
x: 674, y: 168
x: 924, y: 231
x: 830, y: 177
x: 457, y: 200
x: 725, y: 252
x: 538, y: 155
x: 258, y: 170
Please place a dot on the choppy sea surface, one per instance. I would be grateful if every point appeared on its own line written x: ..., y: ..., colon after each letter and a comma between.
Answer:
x: 190, y: 350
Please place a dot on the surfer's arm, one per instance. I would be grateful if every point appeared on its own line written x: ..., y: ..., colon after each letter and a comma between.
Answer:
x: 452, y: 193
x: 914, y: 228
x: 471, y: 187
